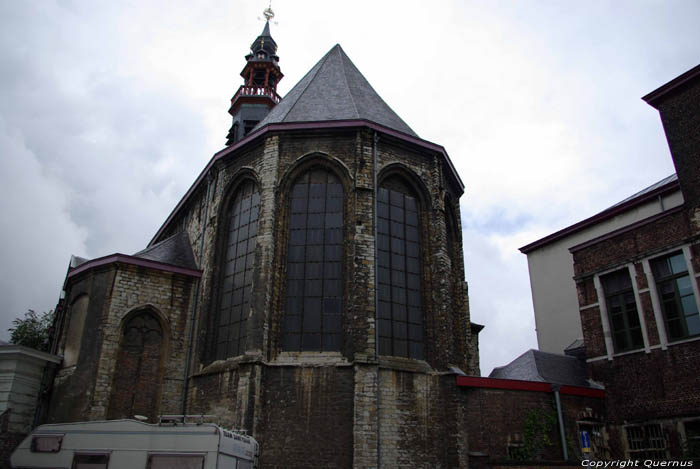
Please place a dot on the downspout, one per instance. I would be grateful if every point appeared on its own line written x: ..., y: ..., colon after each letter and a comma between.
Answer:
x: 560, y: 417
x: 195, y: 302
x: 375, y: 139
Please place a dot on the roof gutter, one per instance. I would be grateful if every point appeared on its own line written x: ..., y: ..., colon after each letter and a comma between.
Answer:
x: 300, y: 126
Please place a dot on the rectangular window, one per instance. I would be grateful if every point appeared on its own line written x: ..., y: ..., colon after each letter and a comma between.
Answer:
x: 646, y: 442
x: 47, y: 443
x: 175, y: 461
x: 673, y: 284
x: 90, y: 461
x: 691, y: 446
x: 622, y: 311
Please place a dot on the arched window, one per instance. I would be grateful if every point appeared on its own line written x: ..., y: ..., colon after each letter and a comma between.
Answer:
x: 74, y: 337
x: 136, y: 385
x: 314, y: 264
x: 236, y: 273
x: 400, y: 313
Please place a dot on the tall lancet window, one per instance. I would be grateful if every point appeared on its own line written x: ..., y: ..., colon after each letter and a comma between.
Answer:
x: 314, y: 289
x: 400, y: 313
x: 236, y: 277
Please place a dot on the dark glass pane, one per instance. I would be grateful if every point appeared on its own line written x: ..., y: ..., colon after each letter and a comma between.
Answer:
x: 313, y: 288
x: 415, y: 332
x: 334, y: 190
x: 396, y: 198
x: 291, y: 342
x: 331, y: 341
x: 300, y: 190
x: 400, y: 313
x: 385, y: 346
x: 297, y: 220
x: 400, y: 330
x: 331, y: 306
x: 292, y: 323
x: 385, y: 310
x: 400, y: 348
x: 415, y: 315
x: 678, y: 264
x: 384, y: 328
x: 331, y: 323
x: 314, y: 270
x: 311, y: 341
x: 334, y: 205
x: 416, y: 350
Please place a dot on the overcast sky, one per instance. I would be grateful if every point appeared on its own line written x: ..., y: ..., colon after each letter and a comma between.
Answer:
x: 109, y: 110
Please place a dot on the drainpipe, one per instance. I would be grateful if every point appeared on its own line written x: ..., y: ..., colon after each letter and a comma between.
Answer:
x: 195, y: 301
x: 375, y: 139
x: 560, y: 417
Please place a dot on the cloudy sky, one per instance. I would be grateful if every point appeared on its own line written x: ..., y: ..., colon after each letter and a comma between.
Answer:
x: 109, y: 110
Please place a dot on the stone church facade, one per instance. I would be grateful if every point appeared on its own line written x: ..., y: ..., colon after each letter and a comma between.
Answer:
x: 309, y: 287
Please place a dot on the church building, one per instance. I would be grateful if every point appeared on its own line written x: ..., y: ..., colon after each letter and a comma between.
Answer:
x: 308, y: 288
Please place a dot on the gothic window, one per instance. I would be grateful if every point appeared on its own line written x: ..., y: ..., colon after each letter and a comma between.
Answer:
x: 78, y: 314
x: 314, y: 287
x: 236, y: 274
x: 135, y: 389
x: 400, y: 314
x: 622, y: 311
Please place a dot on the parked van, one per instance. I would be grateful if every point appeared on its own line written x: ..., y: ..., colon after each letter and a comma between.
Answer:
x: 133, y: 444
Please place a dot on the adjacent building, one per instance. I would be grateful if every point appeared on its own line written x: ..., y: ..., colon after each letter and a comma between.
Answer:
x: 635, y: 270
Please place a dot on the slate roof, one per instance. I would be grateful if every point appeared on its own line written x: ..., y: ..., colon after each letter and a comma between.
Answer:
x: 535, y: 365
x: 175, y: 250
x: 334, y: 89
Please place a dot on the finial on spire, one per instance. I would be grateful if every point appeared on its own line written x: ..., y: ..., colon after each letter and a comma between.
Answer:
x: 268, y: 13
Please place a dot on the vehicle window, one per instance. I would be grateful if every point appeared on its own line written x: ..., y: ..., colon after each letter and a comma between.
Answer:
x: 90, y: 461
x: 172, y: 461
x: 47, y: 444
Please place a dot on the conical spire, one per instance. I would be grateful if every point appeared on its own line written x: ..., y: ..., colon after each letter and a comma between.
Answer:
x: 258, y: 94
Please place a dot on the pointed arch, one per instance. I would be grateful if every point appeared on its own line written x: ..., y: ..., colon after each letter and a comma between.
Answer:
x: 314, y: 192
x: 234, y: 272
x: 401, y: 198
x: 139, y: 365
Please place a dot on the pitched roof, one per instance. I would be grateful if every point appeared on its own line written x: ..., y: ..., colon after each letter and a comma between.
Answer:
x: 175, y: 250
x: 535, y: 365
x: 334, y: 90
x: 666, y: 185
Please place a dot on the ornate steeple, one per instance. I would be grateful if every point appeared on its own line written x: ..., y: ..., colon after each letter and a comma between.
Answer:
x: 258, y: 94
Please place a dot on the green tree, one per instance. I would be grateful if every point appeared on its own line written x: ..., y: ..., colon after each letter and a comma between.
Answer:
x: 32, y: 330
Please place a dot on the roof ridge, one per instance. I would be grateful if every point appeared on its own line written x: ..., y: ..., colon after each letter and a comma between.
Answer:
x: 345, y: 78
x: 315, y: 69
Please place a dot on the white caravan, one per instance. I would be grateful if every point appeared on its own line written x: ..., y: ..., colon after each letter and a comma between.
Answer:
x: 132, y: 444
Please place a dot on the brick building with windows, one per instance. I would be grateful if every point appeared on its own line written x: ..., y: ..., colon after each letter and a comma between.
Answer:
x: 638, y: 295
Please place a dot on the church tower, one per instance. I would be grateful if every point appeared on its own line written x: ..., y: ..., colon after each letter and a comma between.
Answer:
x: 258, y: 94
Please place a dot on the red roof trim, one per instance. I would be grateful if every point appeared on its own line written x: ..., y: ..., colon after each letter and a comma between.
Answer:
x: 520, y: 385
x: 602, y: 216
x: 131, y: 260
x: 497, y: 383
x: 625, y: 229
x: 285, y: 126
x: 581, y: 391
x: 653, y: 99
